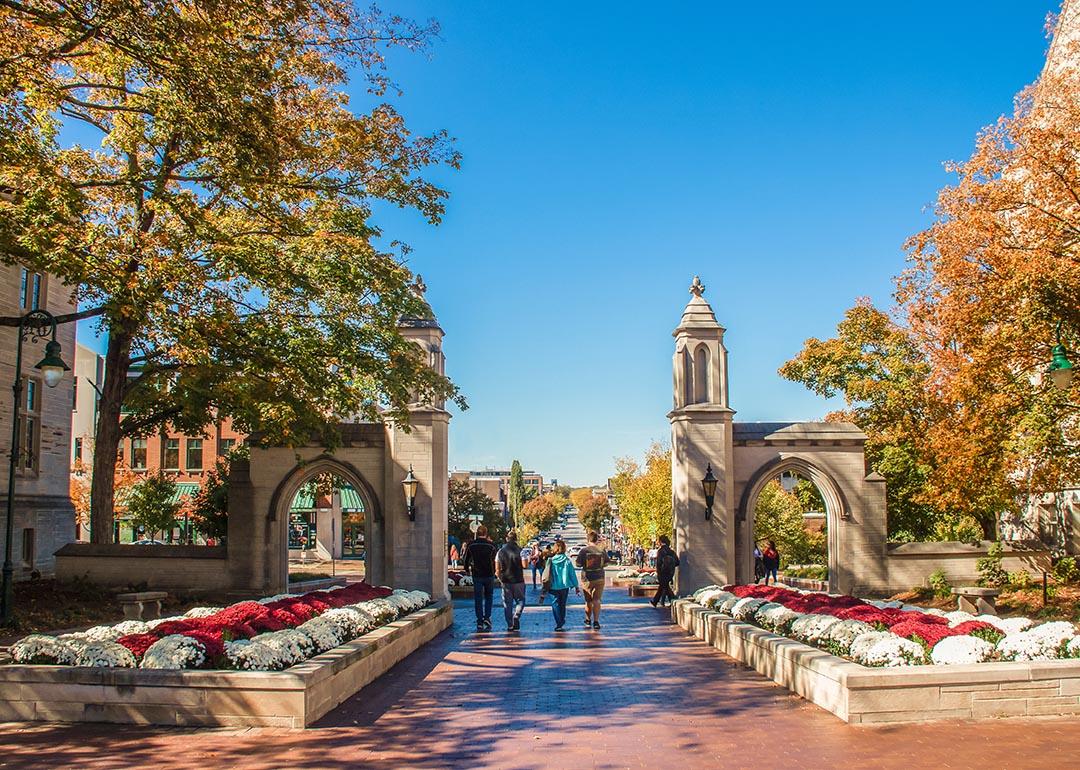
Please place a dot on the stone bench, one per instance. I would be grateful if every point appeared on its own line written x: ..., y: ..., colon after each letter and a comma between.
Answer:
x: 638, y: 591
x: 977, y: 601
x: 142, y: 605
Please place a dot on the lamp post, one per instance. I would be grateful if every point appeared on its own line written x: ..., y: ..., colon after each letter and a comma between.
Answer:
x: 1061, y: 368
x: 409, y: 485
x: 708, y: 484
x: 37, y: 324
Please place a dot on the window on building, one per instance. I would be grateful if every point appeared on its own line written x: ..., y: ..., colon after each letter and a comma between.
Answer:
x: 78, y: 450
x: 171, y: 459
x: 30, y: 424
x: 194, y: 454
x: 227, y: 445
x: 138, y: 454
x: 28, y: 547
x: 31, y: 290
x: 74, y: 394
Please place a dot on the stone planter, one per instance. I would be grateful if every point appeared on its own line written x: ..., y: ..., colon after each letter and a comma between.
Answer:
x: 859, y: 694
x: 295, y: 697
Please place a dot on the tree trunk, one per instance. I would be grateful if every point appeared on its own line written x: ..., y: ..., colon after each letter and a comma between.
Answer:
x: 107, y: 441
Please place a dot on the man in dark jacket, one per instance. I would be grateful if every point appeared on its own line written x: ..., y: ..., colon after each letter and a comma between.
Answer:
x: 480, y: 563
x: 666, y: 562
x: 512, y: 576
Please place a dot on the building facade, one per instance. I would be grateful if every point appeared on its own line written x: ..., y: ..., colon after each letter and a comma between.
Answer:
x: 44, y: 518
x: 495, y: 483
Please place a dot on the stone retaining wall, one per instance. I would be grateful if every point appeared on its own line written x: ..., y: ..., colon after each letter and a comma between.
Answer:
x: 862, y: 695
x: 184, y: 568
x: 295, y: 697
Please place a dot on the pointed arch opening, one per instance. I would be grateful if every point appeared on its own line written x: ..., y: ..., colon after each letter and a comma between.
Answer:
x: 701, y: 375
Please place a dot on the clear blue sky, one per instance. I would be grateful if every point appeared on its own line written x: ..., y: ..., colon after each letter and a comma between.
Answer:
x: 612, y: 150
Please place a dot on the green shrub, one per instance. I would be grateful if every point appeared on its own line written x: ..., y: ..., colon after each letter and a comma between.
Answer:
x: 939, y: 584
x: 991, y: 572
x: 1018, y: 580
x: 150, y: 504
x: 1065, y: 569
x: 991, y: 635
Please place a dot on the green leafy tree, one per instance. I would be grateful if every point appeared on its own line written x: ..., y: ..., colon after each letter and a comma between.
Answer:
x: 515, y: 492
x: 594, y: 512
x: 198, y: 172
x: 465, y: 502
x: 644, y: 495
x: 778, y: 516
x: 150, y: 504
x: 210, y: 506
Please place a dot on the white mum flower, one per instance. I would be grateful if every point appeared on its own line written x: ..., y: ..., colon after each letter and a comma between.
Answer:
x: 862, y: 644
x: 106, y: 655
x: 174, y: 652
x: 811, y: 628
x: 44, y: 649
x: 894, y: 651
x: 744, y: 609
x: 845, y: 632
x: 323, y: 632
x: 778, y: 618
x: 954, y: 650
x: 727, y: 604
x: 202, y: 612
x: 956, y: 617
x: 1046, y: 642
x: 934, y: 611
x: 158, y: 621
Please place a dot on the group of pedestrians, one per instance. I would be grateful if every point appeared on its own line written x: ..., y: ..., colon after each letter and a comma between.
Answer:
x: 558, y: 575
x: 766, y: 562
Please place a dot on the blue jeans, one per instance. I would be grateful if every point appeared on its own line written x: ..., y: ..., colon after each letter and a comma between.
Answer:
x: 483, y: 592
x: 513, y: 595
x: 771, y: 571
x: 558, y: 605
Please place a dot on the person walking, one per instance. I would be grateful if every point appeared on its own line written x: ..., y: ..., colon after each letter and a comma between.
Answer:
x: 771, y: 559
x: 759, y: 564
x: 591, y: 560
x: 559, y: 577
x: 512, y: 576
x: 666, y: 562
x: 652, y: 557
x: 479, y: 562
x: 641, y: 557
x: 539, y: 558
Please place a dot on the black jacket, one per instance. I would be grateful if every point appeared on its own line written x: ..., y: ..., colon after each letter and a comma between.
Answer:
x: 666, y: 562
x: 480, y: 558
x: 509, y: 558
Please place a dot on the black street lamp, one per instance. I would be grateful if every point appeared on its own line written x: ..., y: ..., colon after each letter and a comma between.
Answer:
x: 409, y: 485
x: 37, y: 324
x: 709, y: 485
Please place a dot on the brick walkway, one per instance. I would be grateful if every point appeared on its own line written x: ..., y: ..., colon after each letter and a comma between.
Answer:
x: 639, y: 694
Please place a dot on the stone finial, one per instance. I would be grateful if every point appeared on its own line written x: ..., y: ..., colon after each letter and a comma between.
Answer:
x: 697, y: 288
x: 419, y: 286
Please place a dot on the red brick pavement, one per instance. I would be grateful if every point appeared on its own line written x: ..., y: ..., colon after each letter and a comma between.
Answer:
x: 638, y: 694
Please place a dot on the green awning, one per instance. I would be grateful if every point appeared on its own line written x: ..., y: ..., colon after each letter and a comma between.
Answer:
x: 304, y: 499
x: 350, y: 499
x: 182, y: 489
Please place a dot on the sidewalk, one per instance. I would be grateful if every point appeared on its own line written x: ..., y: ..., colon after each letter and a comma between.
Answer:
x: 637, y: 694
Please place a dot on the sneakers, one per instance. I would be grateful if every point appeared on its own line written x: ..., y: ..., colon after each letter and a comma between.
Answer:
x: 588, y: 623
x: 517, y: 625
x: 487, y: 624
x: 559, y: 628
x: 596, y: 625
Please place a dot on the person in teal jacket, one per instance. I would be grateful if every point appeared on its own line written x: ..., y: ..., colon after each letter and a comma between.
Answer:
x: 559, y: 577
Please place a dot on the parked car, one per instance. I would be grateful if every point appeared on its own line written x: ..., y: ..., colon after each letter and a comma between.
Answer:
x: 149, y: 541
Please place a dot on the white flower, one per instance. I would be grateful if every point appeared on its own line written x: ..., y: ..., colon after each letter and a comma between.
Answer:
x: 1072, y: 649
x: 727, y: 604
x: 158, y: 621
x: 271, y: 651
x: 43, y: 649
x: 744, y: 609
x: 466, y: 580
x: 630, y: 573
x: 202, y: 612
x: 894, y: 651
x: 811, y: 628
x: 956, y: 617
x: 934, y: 611
x: 106, y: 655
x: 845, y: 632
x: 648, y: 579
x: 778, y: 618
x: 323, y: 633
x: 721, y: 597
x: 961, y: 649
x: 174, y: 651
x: 275, y: 597
x: 862, y: 644
x: 1045, y: 642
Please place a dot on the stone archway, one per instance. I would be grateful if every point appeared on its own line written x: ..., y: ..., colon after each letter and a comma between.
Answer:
x: 835, y: 511
x: 301, y: 473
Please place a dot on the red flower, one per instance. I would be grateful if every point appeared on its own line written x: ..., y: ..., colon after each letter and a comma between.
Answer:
x: 137, y: 643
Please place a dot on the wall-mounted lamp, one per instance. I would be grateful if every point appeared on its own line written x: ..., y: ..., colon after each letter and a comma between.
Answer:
x: 409, y: 485
x: 709, y: 485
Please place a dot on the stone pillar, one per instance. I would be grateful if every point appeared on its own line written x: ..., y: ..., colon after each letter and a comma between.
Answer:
x: 701, y: 435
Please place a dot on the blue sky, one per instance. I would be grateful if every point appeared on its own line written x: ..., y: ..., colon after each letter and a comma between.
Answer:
x: 614, y: 150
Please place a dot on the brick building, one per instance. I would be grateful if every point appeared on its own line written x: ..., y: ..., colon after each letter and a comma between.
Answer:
x: 44, y: 516
x: 494, y: 482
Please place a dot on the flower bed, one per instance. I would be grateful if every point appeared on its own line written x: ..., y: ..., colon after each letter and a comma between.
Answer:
x: 889, y: 634
x: 270, y: 634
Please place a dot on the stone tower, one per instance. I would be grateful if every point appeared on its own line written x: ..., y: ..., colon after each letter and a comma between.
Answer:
x: 701, y: 436
x: 424, y: 448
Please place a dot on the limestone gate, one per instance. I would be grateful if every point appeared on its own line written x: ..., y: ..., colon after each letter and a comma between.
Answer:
x: 745, y: 456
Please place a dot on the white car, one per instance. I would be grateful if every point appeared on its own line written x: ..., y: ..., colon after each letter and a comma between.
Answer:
x: 574, y: 550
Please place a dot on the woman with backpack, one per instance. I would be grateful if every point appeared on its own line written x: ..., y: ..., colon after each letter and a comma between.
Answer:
x: 559, y: 577
x: 666, y: 562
